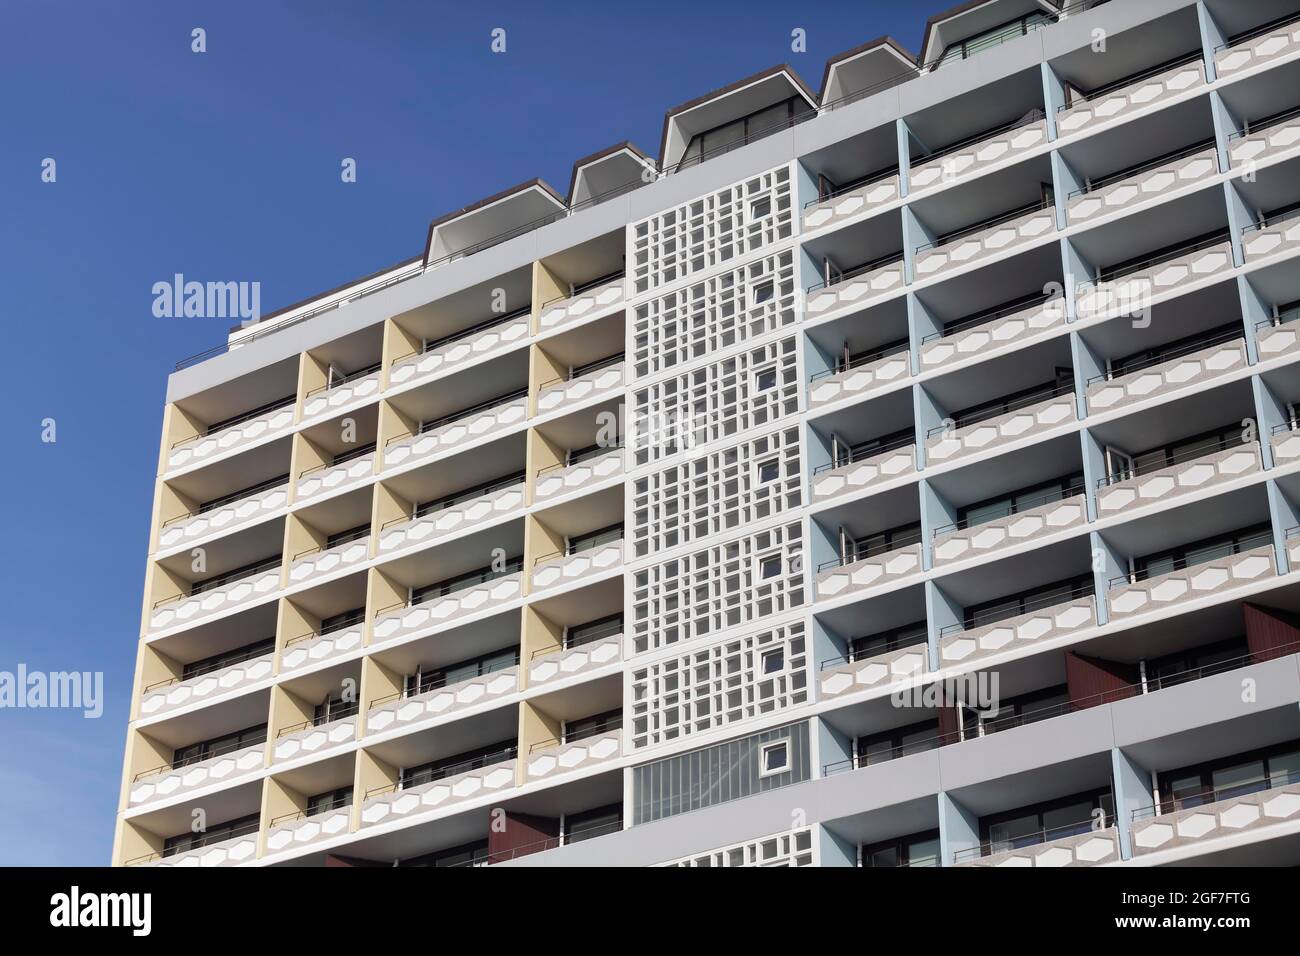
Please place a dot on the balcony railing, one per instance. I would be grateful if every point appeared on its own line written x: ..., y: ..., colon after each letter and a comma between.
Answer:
x: 456, y: 512
x: 1271, y: 42
x: 1276, y: 233
x: 1155, y: 178
x: 434, y: 698
x: 1085, y: 843
x: 861, y: 375
x: 233, y: 432
x: 209, y: 680
x: 1206, y: 357
x: 1121, y: 96
x: 500, y: 412
x: 483, y: 339
x: 492, y: 773
x: 851, y: 199
x: 989, y: 237
x: 1218, y: 812
x: 1216, y: 460
x: 218, y: 594
x: 980, y: 151
x: 591, y: 297
x: 224, y: 848
x: 1248, y: 561
x: 598, y: 378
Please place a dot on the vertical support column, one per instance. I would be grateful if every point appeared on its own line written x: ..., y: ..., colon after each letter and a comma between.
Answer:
x: 941, y: 612
x: 1225, y: 126
x: 831, y: 746
x: 1075, y: 271
x: 1284, y: 516
x: 827, y: 645
x: 922, y: 324
x: 832, y: 849
x: 1107, y: 563
x: 935, y: 514
x: 904, y: 158
x: 1065, y: 181
x: 1132, y: 785
x: 928, y: 415
x: 959, y: 829
x: 1269, y: 414
x: 915, y: 235
x: 1094, y: 468
x: 1255, y: 312
x: 823, y: 546
x: 1239, y: 217
x: 1087, y: 365
x: 1053, y: 98
x: 1212, y: 38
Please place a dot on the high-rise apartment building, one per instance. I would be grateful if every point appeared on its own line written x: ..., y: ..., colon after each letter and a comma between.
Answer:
x: 903, y: 475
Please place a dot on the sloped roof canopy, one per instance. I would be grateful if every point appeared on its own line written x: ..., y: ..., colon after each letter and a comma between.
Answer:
x: 608, y: 173
x: 723, y: 106
x: 971, y: 19
x: 872, y: 66
x: 493, y: 219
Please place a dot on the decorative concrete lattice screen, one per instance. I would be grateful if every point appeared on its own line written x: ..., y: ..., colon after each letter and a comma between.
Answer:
x: 712, y: 231
x: 714, y: 315
x: 718, y: 493
x: 727, y: 585
x: 780, y: 849
x: 726, y: 399
x: 719, y: 685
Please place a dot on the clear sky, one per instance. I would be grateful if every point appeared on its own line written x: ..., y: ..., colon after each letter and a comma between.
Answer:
x: 225, y: 166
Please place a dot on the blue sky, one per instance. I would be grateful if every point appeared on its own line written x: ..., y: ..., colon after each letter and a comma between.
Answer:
x: 225, y: 166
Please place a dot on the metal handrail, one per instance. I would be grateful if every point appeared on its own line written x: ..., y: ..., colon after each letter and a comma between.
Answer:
x: 491, y: 857
x: 1265, y: 123
x: 1285, y: 214
x: 343, y: 713
x: 1109, y: 275
x: 325, y: 631
x: 897, y: 443
x: 569, y: 551
x: 1258, y: 32
x: 221, y: 580
x: 1073, y: 490
x: 1051, y: 600
x: 246, y: 830
x: 1131, y: 80
x: 984, y: 318
x: 280, y: 481
x: 465, y: 766
x: 308, y: 814
x: 903, y: 541
x: 225, y: 423
x: 426, y: 427
x: 898, y: 348
x: 586, y: 370
x: 1029, y: 119
x: 1238, y: 547
x: 1124, y: 174
x: 870, y: 179
x: 843, y: 276
x: 440, y: 683
x: 471, y: 494
x: 605, y: 727
x: 330, y: 546
x: 1015, y: 405
x: 950, y: 238
x: 850, y: 658
x: 1188, y: 348
x: 612, y: 630
x: 255, y: 740
x: 587, y: 287
x: 1215, y: 795
x: 345, y: 379
x: 592, y: 456
x: 991, y: 848
x: 343, y: 459
x: 1199, y: 450
x: 465, y: 333
x: 207, y: 669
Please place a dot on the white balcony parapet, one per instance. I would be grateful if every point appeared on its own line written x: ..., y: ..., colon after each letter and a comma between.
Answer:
x: 410, y: 618
x: 315, y: 739
x: 467, y: 428
x: 176, y: 694
x: 400, y: 804
x: 241, y: 433
x: 1133, y: 292
x: 1278, y: 138
x: 1293, y: 548
x: 856, y: 475
x: 878, y: 670
x: 973, y: 157
x: 562, y: 758
x: 1012, y: 529
x: 1286, y: 444
x: 231, y: 852
x: 588, y: 304
x: 860, y: 379
x: 564, y: 569
x: 1202, y: 580
x: 1272, y: 239
x: 314, y: 648
x: 223, y: 518
x: 472, y: 344
x: 851, y: 202
x: 1017, y: 327
x: 302, y: 830
x: 990, y: 433
x: 1178, y: 479
x: 1134, y: 95
x: 995, y: 238
x: 315, y: 563
x: 413, y: 709
x: 1225, y: 817
x: 194, y: 607
x: 327, y: 400
x: 1266, y: 47
x: 869, y: 572
x: 575, y: 660
x: 464, y: 514
x: 333, y: 477
x: 1180, y: 372
x: 170, y: 781
x: 598, y: 382
x: 1274, y: 339
x: 1142, y: 184
x: 1079, y: 849
x: 855, y: 290
x: 566, y: 478
x: 1032, y: 627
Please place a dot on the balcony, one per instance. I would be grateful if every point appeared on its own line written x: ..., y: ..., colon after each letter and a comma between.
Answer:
x: 857, y: 286
x: 1278, y: 337
x: 300, y: 829
x: 316, y: 647
x: 1030, y: 519
x: 1273, y: 235
x: 851, y: 200
x: 1130, y: 289
x: 1053, y: 619
x: 598, y: 380
x: 1126, y: 96
x: 547, y: 666
x: 844, y: 675
x: 550, y: 758
x: 314, y: 737
x: 171, y: 694
x: 455, y: 513
x: 405, y: 710
x: 595, y: 298
x: 252, y: 584
x: 1216, y: 813
x: 451, y: 431
x: 228, y: 851
x: 1265, y: 139
x: 345, y: 471
x: 860, y: 375
x: 186, y: 775
x: 579, y: 473
x: 342, y: 392
x: 1079, y: 845
x: 469, y: 596
x: 316, y: 561
x: 1264, y: 45
x: 478, y: 341
x: 856, y: 472
x: 860, y: 573
x: 1197, y: 361
x: 248, y: 428
x: 1018, y: 324
x: 985, y: 239
x: 1286, y: 443
x: 1154, y: 179
x: 1028, y: 415
x: 1127, y: 596
x: 387, y: 804
x: 226, y: 513
x: 972, y: 155
x: 1212, y: 463
x: 553, y: 570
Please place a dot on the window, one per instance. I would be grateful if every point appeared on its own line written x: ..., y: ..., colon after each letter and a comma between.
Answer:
x: 592, y: 823
x: 432, y: 678
x: 919, y: 849
x: 595, y: 539
x: 774, y: 758
x: 228, y: 743
x: 1029, y: 826
x: 592, y: 726
x: 769, y: 470
x: 769, y: 567
x: 1013, y: 605
x: 1230, y: 777
x: 334, y: 708
x: 329, y: 800
x: 457, y: 764
x: 601, y: 627
x: 764, y: 379
x: 228, y: 658
x: 761, y: 292
x: 340, y: 621
x: 214, y: 834
x: 467, y: 854
x: 899, y: 742
x: 760, y: 208
x: 885, y: 642
x: 773, y: 661
x: 351, y: 534
x: 1201, y: 552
